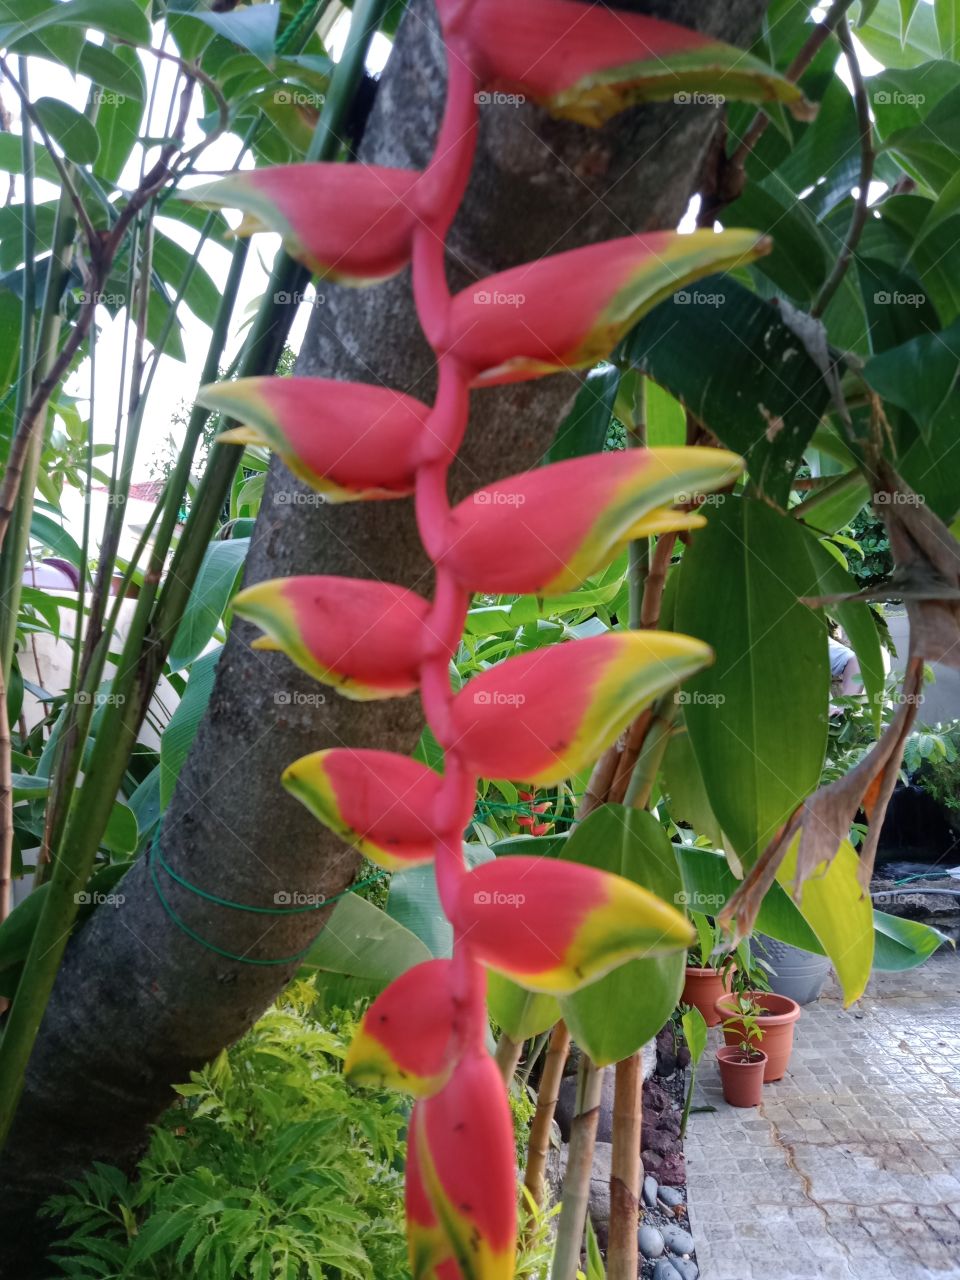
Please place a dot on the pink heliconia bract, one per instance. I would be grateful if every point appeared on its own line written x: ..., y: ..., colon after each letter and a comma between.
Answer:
x: 510, y: 722
x: 347, y: 440
x: 569, y: 310
x: 376, y: 800
x: 365, y: 638
x: 405, y: 1040
x: 537, y: 718
x: 464, y: 1142
x: 588, y: 62
x: 554, y: 926
x: 351, y: 223
x: 574, y: 517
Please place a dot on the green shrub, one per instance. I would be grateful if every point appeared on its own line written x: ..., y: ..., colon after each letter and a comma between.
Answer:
x: 270, y: 1168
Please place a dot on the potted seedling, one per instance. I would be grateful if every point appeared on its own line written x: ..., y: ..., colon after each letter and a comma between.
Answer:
x: 709, y: 971
x: 742, y: 1062
x: 775, y: 1015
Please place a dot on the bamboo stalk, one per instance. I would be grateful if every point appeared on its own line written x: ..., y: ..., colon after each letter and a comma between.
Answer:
x: 507, y: 1056
x: 538, y: 1144
x: 622, y: 1259
x: 576, y: 1181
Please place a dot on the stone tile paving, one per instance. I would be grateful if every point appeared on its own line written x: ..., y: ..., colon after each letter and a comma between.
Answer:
x: 850, y: 1169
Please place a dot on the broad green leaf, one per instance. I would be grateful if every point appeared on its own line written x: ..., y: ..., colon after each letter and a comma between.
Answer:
x: 831, y: 579
x: 519, y: 1012
x: 216, y: 582
x: 585, y: 427
x: 121, y: 834
x: 752, y: 382
x: 180, y: 732
x: 52, y: 535
x: 615, y: 1016
x: 115, y: 76
x: 172, y: 262
x: 121, y: 18
x: 118, y: 123
x: 254, y: 27
x: 73, y: 131
x: 359, y: 952
x: 903, y: 944
x: 694, y: 1032
x: 920, y: 376
x: 880, y: 36
x: 686, y: 795
x: 11, y: 158
x: 906, y: 13
x: 664, y: 417
x: 757, y: 718
x: 414, y: 903
x: 799, y: 261
x: 838, y: 910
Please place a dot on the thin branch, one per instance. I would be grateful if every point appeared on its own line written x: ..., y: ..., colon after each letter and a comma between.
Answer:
x: 861, y: 210
x: 63, y: 169
x: 730, y: 174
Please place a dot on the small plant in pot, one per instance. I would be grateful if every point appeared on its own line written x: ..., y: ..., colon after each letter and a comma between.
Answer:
x: 710, y: 970
x: 742, y: 1063
x: 776, y: 1017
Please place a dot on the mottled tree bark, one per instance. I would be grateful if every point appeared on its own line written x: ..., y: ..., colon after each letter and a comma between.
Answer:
x: 138, y: 1004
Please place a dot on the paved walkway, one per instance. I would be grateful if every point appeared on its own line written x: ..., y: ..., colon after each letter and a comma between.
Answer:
x: 850, y: 1170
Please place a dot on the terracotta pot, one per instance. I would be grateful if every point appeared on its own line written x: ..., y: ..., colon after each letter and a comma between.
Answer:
x: 741, y: 1076
x: 703, y: 988
x: 777, y: 1020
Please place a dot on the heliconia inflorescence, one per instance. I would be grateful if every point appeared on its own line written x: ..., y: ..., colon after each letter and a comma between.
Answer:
x: 550, y: 926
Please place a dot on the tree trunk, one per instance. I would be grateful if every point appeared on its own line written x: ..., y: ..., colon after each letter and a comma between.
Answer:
x: 138, y: 1004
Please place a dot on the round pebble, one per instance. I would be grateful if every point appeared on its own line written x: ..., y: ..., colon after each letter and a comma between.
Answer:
x: 664, y: 1271
x: 650, y: 1191
x: 686, y: 1268
x: 678, y: 1240
x: 671, y: 1197
x: 650, y: 1241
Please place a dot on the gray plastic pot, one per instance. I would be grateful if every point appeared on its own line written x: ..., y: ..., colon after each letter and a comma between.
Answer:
x: 796, y: 973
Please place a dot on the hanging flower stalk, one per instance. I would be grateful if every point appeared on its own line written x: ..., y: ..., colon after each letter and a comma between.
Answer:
x: 551, y: 926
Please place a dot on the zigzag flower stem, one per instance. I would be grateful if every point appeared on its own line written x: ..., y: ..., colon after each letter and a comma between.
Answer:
x: 552, y: 926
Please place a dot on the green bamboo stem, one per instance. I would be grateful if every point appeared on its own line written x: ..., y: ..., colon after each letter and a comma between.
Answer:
x: 622, y: 1259
x: 507, y: 1056
x: 538, y: 1144
x: 576, y: 1181
x: 140, y: 665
